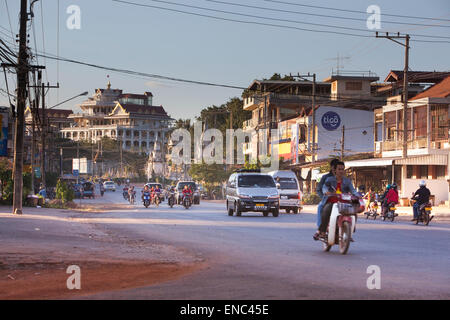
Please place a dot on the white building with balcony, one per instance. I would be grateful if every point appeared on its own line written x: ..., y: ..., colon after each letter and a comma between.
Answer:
x: 428, y: 145
x: 129, y: 118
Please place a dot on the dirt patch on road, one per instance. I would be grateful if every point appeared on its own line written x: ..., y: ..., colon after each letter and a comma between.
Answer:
x: 48, y: 280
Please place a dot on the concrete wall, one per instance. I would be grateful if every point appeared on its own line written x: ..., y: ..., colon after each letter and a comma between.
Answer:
x: 355, y: 122
x: 438, y: 188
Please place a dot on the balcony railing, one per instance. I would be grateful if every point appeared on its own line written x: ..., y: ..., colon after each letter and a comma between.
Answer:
x: 421, y: 143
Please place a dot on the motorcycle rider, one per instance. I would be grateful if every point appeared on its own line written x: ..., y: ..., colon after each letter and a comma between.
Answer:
x: 391, y: 197
x: 334, y: 184
x: 187, y: 192
x: 370, y: 198
x: 422, y: 196
x: 145, y: 190
x: 320, y: 186
x: 131, y: 192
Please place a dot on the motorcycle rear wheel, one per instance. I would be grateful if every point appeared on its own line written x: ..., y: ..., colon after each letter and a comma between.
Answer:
x: 344, y: 237
x: 426, y: 219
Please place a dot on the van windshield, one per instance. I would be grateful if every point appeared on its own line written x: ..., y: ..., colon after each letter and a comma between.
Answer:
x: 287, y: 183
x: 256, y: 181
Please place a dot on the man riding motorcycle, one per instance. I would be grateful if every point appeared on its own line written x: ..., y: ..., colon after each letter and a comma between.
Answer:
x: 320, y: 186
x: 391, y: 197
x: 335, y: 184
x: 187, y: 192
x: 422, y: 196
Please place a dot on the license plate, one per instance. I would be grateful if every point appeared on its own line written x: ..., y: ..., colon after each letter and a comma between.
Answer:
x: 284, y: 197
x: 260, y: 205
x: 428, y: 209
x: 393, y: 208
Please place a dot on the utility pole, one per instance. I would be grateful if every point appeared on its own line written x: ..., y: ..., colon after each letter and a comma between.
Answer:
x: 44, y: 129
x: 22, y: 72
x: 342, y: 143
x: 405, y: 85
x: 313, y: 112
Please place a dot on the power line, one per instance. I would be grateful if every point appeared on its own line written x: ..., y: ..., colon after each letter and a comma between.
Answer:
x: 259, y: 23
x: 355, y: 11
x: 277, y: 19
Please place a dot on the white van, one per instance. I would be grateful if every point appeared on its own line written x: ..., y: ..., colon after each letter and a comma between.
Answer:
x: 290, y: 194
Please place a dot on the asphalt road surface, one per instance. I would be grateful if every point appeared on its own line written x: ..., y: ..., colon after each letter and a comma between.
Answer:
x: 256, y: 257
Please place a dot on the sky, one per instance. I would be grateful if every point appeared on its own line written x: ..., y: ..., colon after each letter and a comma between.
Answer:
x: 174, y: 44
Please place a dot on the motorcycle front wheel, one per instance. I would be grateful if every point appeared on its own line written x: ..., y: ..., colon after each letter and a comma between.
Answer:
x: 344, y: 237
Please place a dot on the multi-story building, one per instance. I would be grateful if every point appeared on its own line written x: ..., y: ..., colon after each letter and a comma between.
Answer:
x: 129, y: 118
x: 428, y: 144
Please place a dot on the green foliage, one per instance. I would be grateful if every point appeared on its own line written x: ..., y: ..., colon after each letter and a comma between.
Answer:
x: 209, y: 174
x: 7, y: 183
x: 311, y: 198
x: 64, y: 192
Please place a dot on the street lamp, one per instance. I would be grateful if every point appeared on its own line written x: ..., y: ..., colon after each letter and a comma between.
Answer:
x: 79, y: 95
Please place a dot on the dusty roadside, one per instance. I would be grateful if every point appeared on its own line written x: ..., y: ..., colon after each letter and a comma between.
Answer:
x: 39, y: 246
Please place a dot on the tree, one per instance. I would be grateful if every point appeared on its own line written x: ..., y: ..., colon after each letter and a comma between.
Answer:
x: 209, y: 174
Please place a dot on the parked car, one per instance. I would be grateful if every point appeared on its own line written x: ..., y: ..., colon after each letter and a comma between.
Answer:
x: 290, y: 194
x: 194, y: 188
x: 109, y: 186
x: 250, y: 190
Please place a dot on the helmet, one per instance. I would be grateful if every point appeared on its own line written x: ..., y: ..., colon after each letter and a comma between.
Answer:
x: 394, y: 186
x: 422, y: 183
x: 388, y: 187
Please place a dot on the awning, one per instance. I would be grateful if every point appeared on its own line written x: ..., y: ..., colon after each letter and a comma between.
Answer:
x: 376, y: 162
x: 429, y: 159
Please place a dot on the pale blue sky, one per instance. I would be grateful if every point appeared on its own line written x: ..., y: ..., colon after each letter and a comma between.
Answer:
x: 197, y: 48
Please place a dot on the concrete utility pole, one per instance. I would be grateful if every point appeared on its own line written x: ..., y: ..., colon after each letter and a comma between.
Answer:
x: 405, y: 85
x: 22, y: 73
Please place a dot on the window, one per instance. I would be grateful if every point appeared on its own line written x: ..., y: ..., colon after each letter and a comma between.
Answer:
x: 409, y: 172
x: 440, y: 172
x: 420, y: 122
x: 256, y: 181
x: 423, y: 172
x: 439, y: 119
x: 390, y: 125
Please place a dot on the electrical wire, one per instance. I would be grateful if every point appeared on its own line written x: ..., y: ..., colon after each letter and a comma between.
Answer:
x: 260, y: 23
x: 355, y: 11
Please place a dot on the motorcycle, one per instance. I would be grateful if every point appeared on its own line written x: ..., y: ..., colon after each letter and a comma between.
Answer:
x: 342, y: 222
x: 125, y: 194
x: 132, y: 197
x: 156, y: 200
x: 187, y: 201
x: 390, y: 213
x: 373, y: 207
x: 425, y: 214
x: 171, y: 199
x: 146, y: 199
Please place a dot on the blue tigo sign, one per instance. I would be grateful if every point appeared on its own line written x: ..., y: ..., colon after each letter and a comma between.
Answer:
x: 331, y: 121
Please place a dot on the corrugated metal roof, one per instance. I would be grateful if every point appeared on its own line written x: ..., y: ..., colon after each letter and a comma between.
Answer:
x: 375, y: 162
x: 430, y: 159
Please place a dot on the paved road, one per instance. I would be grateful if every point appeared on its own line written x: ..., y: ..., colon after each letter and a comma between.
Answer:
x: 256, y: 257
